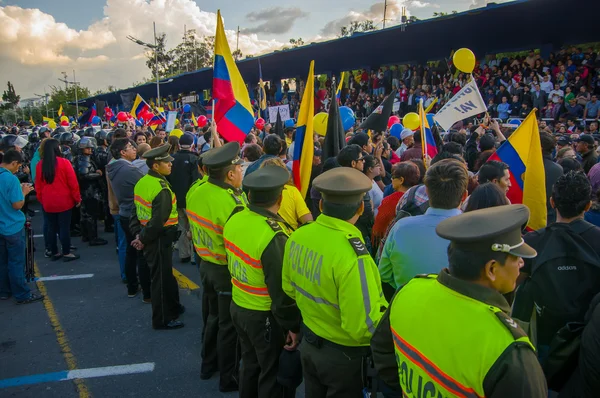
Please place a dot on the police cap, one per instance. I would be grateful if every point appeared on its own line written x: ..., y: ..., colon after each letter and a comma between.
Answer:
x: 495, y: 229
x: 159, y: 154
x: 227, y: 155
x: 265, y: 184
x: 343, y: 185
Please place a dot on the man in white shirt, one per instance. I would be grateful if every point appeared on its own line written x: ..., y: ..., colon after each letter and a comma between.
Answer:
x: 546, y: 85
x: 406, y: 136
x: 556, y: 94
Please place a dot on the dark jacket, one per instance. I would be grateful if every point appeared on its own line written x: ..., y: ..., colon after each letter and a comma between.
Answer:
x: 123, y: 176
x: 553, y: 171
x: 589, y: 160
x: 183, y: 174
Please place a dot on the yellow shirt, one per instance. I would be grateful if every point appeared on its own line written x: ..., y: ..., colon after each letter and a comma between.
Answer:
x: 292, y: 206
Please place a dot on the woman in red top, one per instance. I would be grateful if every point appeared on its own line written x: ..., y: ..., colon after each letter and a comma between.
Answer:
x: 57, y: 190
x: 404, y: 176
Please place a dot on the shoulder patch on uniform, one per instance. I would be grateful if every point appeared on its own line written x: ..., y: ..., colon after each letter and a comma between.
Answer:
x: 359, y: 248
x: 274, y: 225
x: 512, y: 325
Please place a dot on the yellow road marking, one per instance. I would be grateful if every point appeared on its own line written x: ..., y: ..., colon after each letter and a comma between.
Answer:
x: 61, y: 337
x: 183, y: 281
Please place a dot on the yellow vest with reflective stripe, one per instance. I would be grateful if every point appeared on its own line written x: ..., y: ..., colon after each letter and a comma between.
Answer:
x: 446, y: 342
x: 246, y: 236
x: 208, y: 209
x: 334, y: 280
x: 144, y: 192
x: 195, y: 185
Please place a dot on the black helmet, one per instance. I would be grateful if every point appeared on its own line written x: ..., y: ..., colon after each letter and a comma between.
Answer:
x: 43, y: 130
x: 14, y: 130
x: 86, y: 142
x: 102, y: 138
x: 66, y: 139
x: 60, y: 129
x: 89, y: 132
x: 56, y: 135
x: 34, y: 137
x: 109, y: 137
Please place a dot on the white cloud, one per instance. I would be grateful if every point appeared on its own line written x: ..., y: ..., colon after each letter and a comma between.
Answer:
x: 484, y: 3
x: 36, y: 48
x: 375, y: 14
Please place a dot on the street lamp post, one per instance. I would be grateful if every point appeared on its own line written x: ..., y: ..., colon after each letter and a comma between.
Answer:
x: 155, y: 48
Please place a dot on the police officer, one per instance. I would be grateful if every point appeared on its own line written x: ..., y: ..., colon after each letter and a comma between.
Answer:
x: 66, y: 141
x: 89, y: 177
x: 262, y: 313
x: 209, y: 206
x: 101, y: 156
x: 154, y: 223
x: 449, y: 334
x: 329, y: 272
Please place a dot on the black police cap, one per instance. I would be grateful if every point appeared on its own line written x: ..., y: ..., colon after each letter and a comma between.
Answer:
x: 226, y: 155
x: 495, y: 229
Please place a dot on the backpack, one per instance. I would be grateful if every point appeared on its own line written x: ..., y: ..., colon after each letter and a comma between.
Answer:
x: 565, y: 277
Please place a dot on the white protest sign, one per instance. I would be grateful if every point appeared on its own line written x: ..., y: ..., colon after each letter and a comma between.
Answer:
x: 466, y: 103
x: 171, y: 117
x: 284, y: 112
x: 396, y: 106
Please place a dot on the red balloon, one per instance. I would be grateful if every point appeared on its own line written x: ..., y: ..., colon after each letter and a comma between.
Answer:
x: 64, y: 123
x: 393, y: 120
x: 146, y: 115
x: 202, y: 120
x: 122, y: 116
x: 260, y: 123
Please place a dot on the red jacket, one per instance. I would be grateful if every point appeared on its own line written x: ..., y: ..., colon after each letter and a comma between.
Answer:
x: 63, y: 194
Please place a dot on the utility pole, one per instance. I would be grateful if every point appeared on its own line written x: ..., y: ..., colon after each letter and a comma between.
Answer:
x: 156, y: 63
x: 65, y: 80
x: 75, y: 82
x: 185, y: 54
x: 237, y: 44
x: 384, y: 12
x: 45, y: 96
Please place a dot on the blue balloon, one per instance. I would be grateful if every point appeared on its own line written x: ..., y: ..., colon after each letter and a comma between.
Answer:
x: 96, y: 120
x: 187, y: 108
x: 516, y: 122
x: 289, y: 123
x: 396, y: 130
x: 348, y: 118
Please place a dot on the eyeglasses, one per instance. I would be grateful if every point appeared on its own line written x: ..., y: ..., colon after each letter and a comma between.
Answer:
x: 360, y: 159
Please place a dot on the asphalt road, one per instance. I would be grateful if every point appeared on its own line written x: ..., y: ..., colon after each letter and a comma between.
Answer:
x: 91, y: 323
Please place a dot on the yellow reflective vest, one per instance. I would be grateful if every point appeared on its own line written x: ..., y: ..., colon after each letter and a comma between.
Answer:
x: 446, y: 342
x: 144, y: 192
x: 208, y: 209
x: 334, y: 280
x: 246, y: 236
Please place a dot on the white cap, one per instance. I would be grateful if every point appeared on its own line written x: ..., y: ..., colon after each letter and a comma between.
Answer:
x: 406, y: 133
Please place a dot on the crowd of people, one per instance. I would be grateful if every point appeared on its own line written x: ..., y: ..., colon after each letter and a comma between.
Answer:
x: 348, y: 286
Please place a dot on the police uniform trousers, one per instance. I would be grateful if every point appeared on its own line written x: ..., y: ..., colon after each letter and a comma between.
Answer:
x: 135, y: 264
x: 88, y: 221
x: 163, y: 285
x: 217, y: 283
x: 261, y: 340
x: 331, y: 370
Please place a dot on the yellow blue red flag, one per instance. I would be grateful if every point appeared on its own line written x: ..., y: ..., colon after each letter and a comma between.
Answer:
x: 523, y: 154
x: 338, y: 93
x: 262, y: 95
x: 233, y: 112
x: 304, y: 146
x: 427, y: 140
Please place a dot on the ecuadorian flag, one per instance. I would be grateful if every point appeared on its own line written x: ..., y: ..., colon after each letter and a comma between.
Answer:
x: 139, y: 108
x: 523, y: 154
x: 338, y: 92
x: 427, y: 141
x: 233, y: 112
x: 304, y: 147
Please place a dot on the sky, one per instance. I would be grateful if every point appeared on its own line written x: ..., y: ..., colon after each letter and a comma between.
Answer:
x: 39, y: 39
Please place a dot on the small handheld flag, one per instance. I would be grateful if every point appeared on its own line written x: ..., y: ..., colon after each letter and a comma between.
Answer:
x: 427, y: 140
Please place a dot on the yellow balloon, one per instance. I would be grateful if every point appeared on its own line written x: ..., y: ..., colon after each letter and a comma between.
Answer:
x: 411, y: 121
x: 176, y: 122
x: 176, y: 132
x: 64, y: 119
x: 320, y: 123
x: 464, y: 60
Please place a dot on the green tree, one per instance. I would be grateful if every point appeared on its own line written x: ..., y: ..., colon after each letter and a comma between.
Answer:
x: 237, y: 54
x: 159, y: 55
x: 443, y: 14
x: 357, y: 26
x: 10, y: 97
x: 8, y: 116
x: 297, y: 42
x: 61, y: 96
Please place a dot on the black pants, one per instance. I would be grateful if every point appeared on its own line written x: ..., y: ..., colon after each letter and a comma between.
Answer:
x: 58, y: 223
x: 165, y: 291
x: 135, y: 264
x: 217, y: 284
x: 331, y: 372
x: 210, y: 324
x: 89, y: 224
x: 261, y: 340
x: 74, y: 221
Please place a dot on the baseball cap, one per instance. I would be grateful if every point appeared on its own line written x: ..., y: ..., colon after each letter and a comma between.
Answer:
x: 588, y: 139
x: 406, y: 133
x: 563, y: 140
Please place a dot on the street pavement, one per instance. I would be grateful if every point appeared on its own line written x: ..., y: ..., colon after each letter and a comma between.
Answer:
x: 90, y: 323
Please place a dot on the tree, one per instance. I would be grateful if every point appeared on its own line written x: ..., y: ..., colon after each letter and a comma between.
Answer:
x: 159, y: 55
x: 297, y: 42
x: 191, y: 54
x: 60, y: 96
x: 357, y: 26
x: 10, y: 97
x: 412, y: 19
x: 237, y: 54
x: 443, y: 14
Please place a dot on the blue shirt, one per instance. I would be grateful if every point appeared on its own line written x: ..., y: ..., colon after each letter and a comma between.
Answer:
x: 413, y: 248
x: 11, y: 221
x: 592, y: 109
x: 503, y: 109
